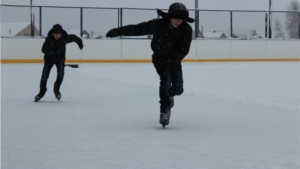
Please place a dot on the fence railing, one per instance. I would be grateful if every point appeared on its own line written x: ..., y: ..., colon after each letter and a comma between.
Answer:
x: 94, y: 22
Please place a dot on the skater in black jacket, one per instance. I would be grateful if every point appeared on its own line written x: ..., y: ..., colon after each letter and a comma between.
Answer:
x: 172, y: 37
x: 54, y: 49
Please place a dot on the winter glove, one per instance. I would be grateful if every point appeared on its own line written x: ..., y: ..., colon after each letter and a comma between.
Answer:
x: 113, y: 33
x: 80, y: 45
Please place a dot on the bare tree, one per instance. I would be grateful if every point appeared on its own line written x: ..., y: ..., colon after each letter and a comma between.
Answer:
x: 292, y: 20
x: 278, y: 29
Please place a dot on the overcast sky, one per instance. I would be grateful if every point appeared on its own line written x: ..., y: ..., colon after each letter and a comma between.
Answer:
x: 209, y: 21
x: 163, y: 4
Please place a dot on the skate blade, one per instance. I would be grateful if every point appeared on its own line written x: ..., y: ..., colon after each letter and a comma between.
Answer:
x: 37, y: 99
x: 164, y: 123
x: 58, y: 98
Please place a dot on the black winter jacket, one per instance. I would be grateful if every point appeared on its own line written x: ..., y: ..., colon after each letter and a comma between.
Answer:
x: 168, y: 43
x: 55, y: 50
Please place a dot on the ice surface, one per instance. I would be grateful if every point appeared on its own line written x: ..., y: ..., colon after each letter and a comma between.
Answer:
x: 231, y: 115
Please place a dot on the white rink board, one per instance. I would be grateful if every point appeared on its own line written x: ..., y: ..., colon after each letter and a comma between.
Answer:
x: 117, y: 49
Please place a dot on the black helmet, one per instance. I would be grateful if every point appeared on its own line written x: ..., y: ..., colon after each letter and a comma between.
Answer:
x: 177, y: 10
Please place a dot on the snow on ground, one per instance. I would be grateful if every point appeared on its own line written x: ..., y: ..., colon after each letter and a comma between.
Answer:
x: 231, y: 115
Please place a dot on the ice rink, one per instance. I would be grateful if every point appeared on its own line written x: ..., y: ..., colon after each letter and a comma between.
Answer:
x: 231, y: 116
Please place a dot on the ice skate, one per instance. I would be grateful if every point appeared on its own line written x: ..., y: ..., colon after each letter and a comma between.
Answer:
x: 57, y: 93
x: 58, y: 96
x: 164, y: 119
x: 41, y: 94
x: 37, y: 98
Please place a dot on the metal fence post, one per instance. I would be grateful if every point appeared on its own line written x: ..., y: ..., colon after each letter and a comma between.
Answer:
x: 270, y: 29
x: 299, y: 26
x: 231, y: 25
x: 81, y: 21
x: 121, y: 18
x: 196, y: 24
x: 40, y: 21
x: 266, y: 26
x: 118, y: 17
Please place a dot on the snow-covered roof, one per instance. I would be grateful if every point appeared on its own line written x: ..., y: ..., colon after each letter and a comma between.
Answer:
x: 214, y: 35
x: 11, y: 29
x: 242, y: 34
x: 84, y: 35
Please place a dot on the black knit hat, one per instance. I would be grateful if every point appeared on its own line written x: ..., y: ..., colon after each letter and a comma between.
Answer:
x: 177, y: 10
x: 57, y: 28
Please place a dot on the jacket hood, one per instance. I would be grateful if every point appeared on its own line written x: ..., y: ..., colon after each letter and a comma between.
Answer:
x: 57, y: 28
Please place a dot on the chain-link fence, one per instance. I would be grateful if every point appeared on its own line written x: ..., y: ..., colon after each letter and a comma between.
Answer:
x: 93, y: 23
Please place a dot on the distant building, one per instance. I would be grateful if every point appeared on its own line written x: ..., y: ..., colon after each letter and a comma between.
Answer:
x: 240, y: 34
x: 85, y: 34
x: 18, y: 29
x: 214, y: 35
x: 200, y: 35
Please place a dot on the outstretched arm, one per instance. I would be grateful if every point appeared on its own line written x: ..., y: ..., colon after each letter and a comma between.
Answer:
x: 144, y: 28
x: 76, y: 39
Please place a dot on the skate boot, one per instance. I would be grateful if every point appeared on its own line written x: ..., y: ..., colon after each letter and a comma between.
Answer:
x: 56, y: 92
x: 41, y: 94
x: 164, y: 118
x: 172, y: 101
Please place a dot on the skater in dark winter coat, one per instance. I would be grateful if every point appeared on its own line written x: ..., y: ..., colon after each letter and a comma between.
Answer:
x: 54, y: 49
x: 172, y: 37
